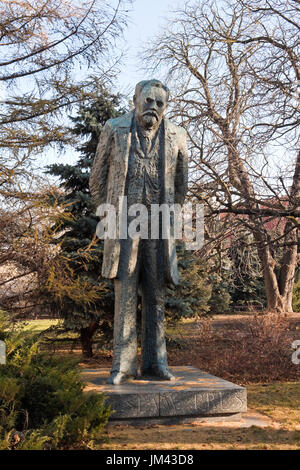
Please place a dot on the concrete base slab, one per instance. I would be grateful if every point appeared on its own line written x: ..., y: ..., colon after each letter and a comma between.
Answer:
x: 194, y: 394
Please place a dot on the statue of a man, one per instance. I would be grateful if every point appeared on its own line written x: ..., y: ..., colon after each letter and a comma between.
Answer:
x: 142, y: 156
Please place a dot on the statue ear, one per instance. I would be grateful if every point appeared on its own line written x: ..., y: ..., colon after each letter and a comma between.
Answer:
x: 134, y: 100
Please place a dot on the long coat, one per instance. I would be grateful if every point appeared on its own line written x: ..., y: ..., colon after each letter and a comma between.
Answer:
x: 108, y: 178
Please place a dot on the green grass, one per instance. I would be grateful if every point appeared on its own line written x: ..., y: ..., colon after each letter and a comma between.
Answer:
x: 54, y: 339
x: 37, y: 326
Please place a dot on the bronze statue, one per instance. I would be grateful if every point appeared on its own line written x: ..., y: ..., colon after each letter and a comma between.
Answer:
x: 142, y: 156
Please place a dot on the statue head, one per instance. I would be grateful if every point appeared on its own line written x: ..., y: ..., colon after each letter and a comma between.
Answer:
x: 150, y: 101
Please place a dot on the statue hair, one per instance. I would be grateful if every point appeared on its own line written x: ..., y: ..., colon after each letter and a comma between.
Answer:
x: 152, y: 82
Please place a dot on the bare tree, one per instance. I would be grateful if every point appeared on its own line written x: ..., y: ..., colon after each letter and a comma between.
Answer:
x: 54, y: 54
x: 234, y: 70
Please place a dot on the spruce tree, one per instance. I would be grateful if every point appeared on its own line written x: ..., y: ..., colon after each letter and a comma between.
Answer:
x: 190, y: 298
x: 83, y: 299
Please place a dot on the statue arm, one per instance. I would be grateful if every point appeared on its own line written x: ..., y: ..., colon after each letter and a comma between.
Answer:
x: 181, y: 178
x: 100, y: 168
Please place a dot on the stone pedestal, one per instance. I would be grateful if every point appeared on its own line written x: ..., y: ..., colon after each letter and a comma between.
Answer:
x: 194, y: 395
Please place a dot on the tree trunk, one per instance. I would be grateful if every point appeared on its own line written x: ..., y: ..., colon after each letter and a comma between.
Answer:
x: 274, y: 300
x: 290, y: 257
x: 288, y: 265
x: 86, y: 336
x: 279, y: 291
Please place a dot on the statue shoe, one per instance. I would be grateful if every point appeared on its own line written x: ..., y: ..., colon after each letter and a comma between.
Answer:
x: 158, y: 371
x: 116, y: 378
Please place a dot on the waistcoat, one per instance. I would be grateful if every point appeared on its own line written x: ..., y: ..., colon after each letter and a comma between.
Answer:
x: 144, y: 176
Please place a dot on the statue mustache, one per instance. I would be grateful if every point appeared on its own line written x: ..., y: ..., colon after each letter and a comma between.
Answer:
x: 151, y: 113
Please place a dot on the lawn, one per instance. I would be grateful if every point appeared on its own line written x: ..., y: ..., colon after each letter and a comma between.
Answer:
x: 279, y: 401
x: 55, y: 338
x: 37, y: 326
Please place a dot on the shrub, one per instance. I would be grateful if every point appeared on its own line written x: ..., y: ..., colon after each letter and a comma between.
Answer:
x: 257, y: 350
x: 42, y: 402
x: 243, y: 351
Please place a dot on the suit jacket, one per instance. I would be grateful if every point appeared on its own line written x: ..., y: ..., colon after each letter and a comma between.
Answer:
x: 108, y: 178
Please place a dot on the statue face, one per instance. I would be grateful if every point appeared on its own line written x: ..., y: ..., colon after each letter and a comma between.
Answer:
x: 150, y: 105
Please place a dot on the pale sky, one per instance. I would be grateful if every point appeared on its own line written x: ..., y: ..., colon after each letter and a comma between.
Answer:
x: 145, y: 21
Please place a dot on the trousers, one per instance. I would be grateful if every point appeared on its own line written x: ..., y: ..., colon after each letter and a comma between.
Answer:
x: 148, y: 277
